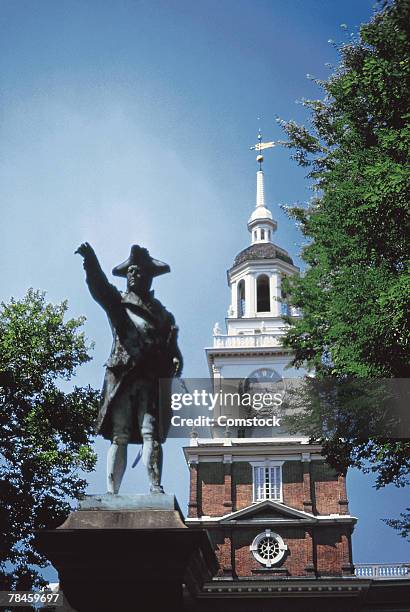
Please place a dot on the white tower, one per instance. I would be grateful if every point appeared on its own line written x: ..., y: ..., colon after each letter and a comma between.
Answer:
x: 254, y: 325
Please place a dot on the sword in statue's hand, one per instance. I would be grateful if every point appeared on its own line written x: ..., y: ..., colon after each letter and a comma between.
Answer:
x: 137, y: 458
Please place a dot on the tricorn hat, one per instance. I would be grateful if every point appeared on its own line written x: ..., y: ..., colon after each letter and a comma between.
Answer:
x: 141, y: 258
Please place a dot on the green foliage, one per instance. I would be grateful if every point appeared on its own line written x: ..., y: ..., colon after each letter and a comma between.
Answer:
x: 402, y: 524
x: 44, y: 432
x: 355, y: 292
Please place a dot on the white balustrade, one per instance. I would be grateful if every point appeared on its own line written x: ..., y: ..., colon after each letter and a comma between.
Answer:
x: 247, y: 341
x: 382, y: 571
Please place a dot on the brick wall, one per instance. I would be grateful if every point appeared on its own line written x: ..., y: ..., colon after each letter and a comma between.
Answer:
x: 326, y: 488
x: 212, y: 489
x: 293, y: 562
x: 292, y: 479
x: 292, y: 475
x: 330, y: 551
x: 242, y: 485
x: 221, y: 540
x: 324, y: 551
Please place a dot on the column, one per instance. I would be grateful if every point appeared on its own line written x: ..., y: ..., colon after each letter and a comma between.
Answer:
x: 310, y: 562
x: 216, y: 371
x: 343, y: 501
x: 193, y: 488
x: 226, y: 554
x: 250, y: 297
x: 234, y: 298
x: 228, y: 482
x: 307, y: 487
x: 346, y: 543
x: 276, y: 293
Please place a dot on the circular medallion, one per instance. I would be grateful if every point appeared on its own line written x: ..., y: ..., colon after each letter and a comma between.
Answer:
x: 268, y: 548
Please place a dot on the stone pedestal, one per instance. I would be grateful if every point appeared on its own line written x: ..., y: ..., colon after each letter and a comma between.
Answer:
x: 128, y: 553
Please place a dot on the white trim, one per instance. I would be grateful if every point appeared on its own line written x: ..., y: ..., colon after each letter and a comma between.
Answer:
x: 252, y: 449
x: 251, y: 458
x: 338, y: 518
x: 299, y: 440
x: 291, y: 516
x: 271, y: 265
x: 212, y: 459
x: 272, y: 504
x: 267, y: 462
x: 327, y: 520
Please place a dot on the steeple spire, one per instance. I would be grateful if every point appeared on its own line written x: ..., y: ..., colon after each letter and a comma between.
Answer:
x: 261, y: 224
x: 260, y: 190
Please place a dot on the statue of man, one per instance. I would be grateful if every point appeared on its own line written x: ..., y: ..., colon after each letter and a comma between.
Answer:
x: 144, y: 350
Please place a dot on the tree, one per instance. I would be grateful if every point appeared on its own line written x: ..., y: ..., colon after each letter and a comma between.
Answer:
x: 44, y: 431
x: 355, y: 292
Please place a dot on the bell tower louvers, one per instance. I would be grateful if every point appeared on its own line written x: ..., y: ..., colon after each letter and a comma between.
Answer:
x: 270, y: 503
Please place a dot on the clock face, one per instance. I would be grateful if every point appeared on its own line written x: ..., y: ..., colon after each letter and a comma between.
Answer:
x: 264, y: 381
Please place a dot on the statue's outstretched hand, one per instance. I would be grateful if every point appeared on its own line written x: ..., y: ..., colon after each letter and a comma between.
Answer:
x: 85, y: 250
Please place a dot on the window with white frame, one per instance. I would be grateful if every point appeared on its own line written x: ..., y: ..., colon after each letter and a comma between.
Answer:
x: 267, y: 482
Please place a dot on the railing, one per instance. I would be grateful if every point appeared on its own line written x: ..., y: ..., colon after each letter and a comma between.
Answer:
x: 382, y: 571
x: 254, y: 340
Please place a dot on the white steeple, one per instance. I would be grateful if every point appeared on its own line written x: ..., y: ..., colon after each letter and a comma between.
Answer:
x: 252, y: 343
x: 260, y: 191
x: 261, y: 224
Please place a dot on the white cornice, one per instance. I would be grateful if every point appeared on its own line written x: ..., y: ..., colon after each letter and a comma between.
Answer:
x: 209, y: 521
x: 251, y: 458
x: 245, y: 351
x: 337, y: 587
x: 242, y: 449
x: 249, y: 266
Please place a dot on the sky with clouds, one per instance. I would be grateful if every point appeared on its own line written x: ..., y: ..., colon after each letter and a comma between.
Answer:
x: 130, y: 121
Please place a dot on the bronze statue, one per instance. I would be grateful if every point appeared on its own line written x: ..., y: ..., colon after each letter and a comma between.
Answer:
x: 144, y: 350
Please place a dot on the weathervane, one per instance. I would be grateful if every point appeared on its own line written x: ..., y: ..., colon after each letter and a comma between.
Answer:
x: 260, y: 146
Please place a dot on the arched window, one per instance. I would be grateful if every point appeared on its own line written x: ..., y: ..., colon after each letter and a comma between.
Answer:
x: 263, y: 234
x: 241, y: 298
x: 262, y: 294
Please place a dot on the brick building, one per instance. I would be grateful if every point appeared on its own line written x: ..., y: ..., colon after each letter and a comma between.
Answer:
x: 276, y: 513
x: 271, y: 505
x: 298, y: 527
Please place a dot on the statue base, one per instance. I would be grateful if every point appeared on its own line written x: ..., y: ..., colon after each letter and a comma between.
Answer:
x: 120, y: 552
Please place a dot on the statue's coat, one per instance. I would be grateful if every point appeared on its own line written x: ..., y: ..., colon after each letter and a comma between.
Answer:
x: 144, y: 346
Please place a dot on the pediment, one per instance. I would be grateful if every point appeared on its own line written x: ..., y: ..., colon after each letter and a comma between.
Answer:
x: 268, y: 510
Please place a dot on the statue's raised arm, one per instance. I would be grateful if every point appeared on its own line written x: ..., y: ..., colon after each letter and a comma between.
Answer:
x: 100, y: 288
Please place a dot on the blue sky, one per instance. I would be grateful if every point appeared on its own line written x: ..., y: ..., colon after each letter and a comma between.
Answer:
x: 130, y: 122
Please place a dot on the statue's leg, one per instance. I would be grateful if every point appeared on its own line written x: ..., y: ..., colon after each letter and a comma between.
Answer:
x: 151, y: 449
x: 117, y: 453
x: 116, y: 465
x: 152, y: 459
